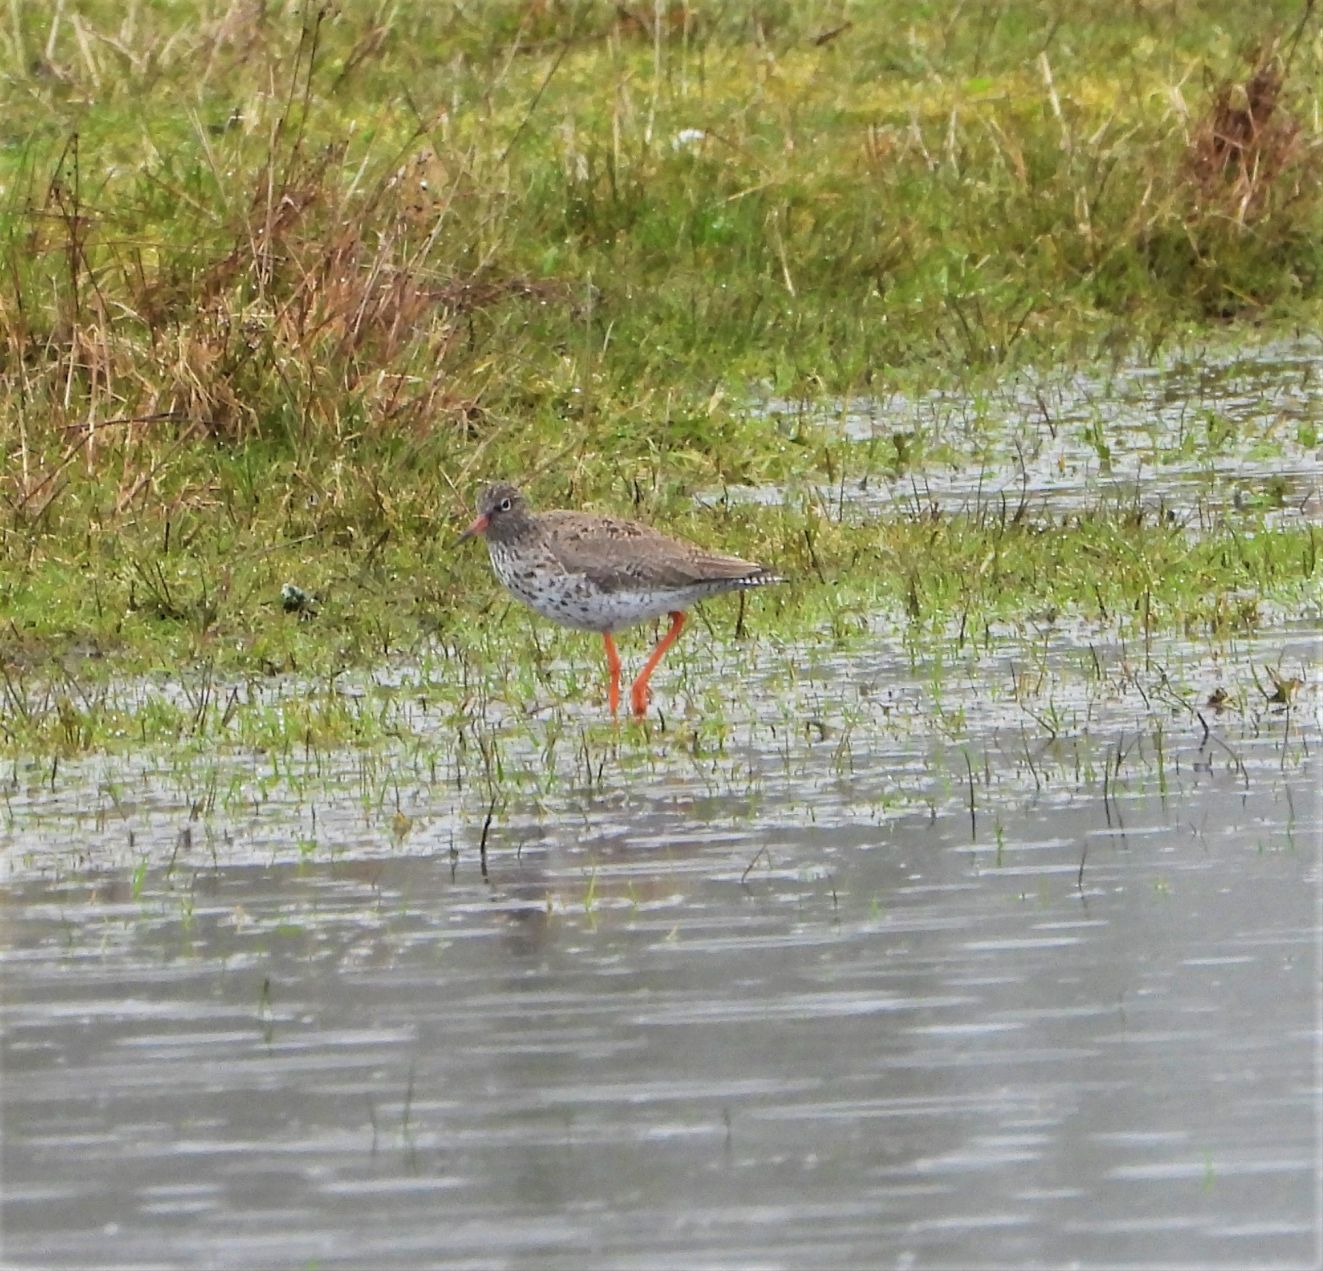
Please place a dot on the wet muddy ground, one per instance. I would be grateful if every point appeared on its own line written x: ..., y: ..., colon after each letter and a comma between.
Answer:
x: 933, y: 954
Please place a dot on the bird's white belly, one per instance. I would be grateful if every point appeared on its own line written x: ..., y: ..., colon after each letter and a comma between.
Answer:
x: 612, y: 610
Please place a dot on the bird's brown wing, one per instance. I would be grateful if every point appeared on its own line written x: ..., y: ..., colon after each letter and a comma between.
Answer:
x: 618, y: 555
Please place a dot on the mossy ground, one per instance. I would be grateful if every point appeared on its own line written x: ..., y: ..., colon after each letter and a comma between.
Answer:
x: 283, y: 283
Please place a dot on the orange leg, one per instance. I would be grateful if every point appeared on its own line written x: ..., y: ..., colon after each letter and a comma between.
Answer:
x: 613, y: 665
x: 638, y: 695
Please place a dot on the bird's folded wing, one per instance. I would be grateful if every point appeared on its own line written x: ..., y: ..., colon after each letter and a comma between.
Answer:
x: 617, y: 555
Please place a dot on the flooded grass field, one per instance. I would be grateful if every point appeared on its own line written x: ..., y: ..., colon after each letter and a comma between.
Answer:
x: 1188, y: 437
x: 921, y: 948
x: 959, y: 901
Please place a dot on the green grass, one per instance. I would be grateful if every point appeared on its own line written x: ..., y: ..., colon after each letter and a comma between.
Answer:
x: 282, y: 285
x: 950, y: 581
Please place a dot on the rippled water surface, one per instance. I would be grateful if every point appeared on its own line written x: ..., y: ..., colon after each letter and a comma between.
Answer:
x: 936, y: 956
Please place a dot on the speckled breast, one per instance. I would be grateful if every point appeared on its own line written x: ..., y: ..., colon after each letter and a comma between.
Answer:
x: 573, y: 600
x: 541, y: 583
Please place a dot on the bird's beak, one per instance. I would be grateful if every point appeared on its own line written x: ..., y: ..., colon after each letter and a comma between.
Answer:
x: 479, y: 526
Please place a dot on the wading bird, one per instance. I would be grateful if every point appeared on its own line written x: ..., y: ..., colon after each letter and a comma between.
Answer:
x: 600, y: 573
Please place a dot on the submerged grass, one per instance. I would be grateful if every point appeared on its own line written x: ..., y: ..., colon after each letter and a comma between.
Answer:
x: 283, y: 282
x: 947, y: 580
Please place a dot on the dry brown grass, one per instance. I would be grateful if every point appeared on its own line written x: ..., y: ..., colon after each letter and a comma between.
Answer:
x: 1248, y: 153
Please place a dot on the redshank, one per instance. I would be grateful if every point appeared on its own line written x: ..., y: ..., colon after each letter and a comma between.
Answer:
x: 599, y: 573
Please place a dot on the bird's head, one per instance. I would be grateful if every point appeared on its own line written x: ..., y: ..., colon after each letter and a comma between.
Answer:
x: 501, y: 512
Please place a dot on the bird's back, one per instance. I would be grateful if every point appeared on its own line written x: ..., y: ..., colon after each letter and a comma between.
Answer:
x: 620, y: 555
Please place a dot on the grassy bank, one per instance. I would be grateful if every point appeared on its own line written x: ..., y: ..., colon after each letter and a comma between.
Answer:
x: 283, y: 283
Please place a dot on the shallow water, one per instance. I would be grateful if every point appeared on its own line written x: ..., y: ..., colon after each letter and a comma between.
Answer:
x: 795, y: 1006
x: 1186, y: 438
x: 933, y: 953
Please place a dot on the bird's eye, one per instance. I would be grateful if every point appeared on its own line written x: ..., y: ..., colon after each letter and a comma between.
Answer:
x: 505, y: 505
